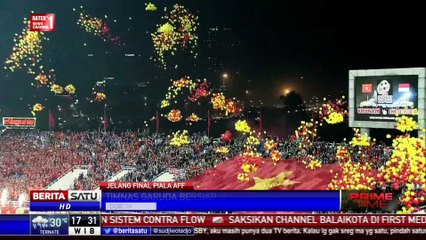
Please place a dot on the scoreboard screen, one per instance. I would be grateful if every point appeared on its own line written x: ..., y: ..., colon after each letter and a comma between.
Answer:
x: 19, y: 122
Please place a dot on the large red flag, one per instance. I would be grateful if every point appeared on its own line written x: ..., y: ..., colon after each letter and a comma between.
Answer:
x: 106, y: 122
x: 52, y: 121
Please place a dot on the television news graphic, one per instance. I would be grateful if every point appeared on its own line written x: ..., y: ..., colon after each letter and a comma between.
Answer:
x: 126, y: 231
x: 157, y: 199
x: 49, y: 225
x: 199, y: 224
x: 369, y: 201
x: 42, y: 22
x: 264, y: 220
x: 84, y: 225
x: 264, y: 224
x: 56, y: 200
x: 18, y: 225
x: 145, y: 186
x: 19, y: 122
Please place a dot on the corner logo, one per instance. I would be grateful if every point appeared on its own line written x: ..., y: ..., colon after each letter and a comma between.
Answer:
x: 371, y: 200
x: 42, y: 22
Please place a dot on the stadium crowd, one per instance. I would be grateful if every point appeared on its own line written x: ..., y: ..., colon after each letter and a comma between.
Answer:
x: 32, y: 160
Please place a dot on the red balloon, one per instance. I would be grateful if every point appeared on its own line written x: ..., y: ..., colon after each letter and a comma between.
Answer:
x: 226, y: 137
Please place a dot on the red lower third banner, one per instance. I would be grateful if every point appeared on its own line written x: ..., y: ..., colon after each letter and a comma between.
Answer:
x: 266, y: 220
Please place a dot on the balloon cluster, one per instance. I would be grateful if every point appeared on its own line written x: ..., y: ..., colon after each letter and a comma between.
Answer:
x: 176, y: 88
x: 164, y: 104
x: 70, y: 89
x: 353, y: 176
x: 242, y: 126
x: 228, y: 106
x: 250, y: 160
x: 226, y: 137
x: 218, y: 101
x: 248, y: 165
x: 201, y: 91
x: 252, y: 142
x: 406, y: 168
x: 26, y: 53
x: 37, y: 108
x: 97, y: 26
x: 44, y: 79
x: 333, y: 111
x: 342, y: 153
x: 99, y: 91
x: 250, y: 155
x: 270, y: 144
x: 312, y: 163
x: 150, y: 7
x: 100, y: 96
x: 306, y: 133
x: 41, y: 79
x: 193, y: 118
x: 57, y: 89
x: 276, y: 156
x: 174, y: 115
x: 180, y: 138
x: 178, y: 33
x: 406, y: 124
x: 360, y: 140
x: 334, y: 118
x: 222, y: 150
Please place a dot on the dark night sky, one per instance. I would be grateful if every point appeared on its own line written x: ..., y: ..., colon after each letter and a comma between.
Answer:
x: 278, y: 42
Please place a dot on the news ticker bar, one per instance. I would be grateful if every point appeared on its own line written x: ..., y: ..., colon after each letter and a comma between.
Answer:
x: 221, y: 201
x: 190, y: 224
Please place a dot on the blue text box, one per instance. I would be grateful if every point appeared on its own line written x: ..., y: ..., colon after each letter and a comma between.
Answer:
x: 14, y: 225
x: 202, y: 201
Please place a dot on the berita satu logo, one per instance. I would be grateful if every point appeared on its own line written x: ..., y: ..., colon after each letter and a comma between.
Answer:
x: 42, y: 22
